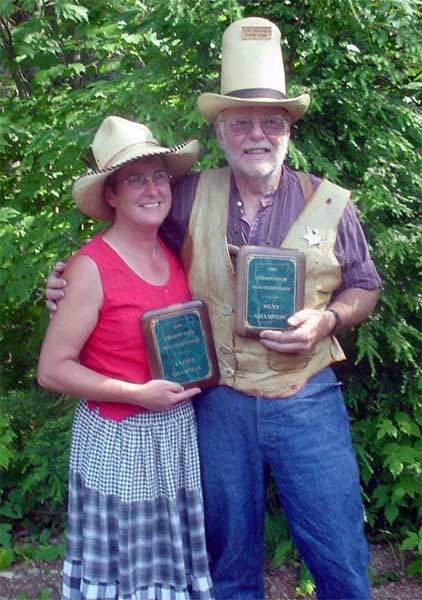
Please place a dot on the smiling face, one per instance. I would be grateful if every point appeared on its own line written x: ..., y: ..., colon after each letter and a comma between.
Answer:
x: 257, y: 150
x: 140, y: 192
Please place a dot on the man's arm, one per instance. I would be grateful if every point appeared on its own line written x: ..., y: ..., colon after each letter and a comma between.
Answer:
x: 174, y: 228
x: 353, y: 301
x: 353, y: 306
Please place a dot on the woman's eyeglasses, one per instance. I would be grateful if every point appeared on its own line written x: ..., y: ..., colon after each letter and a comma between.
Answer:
x: 138, y: 181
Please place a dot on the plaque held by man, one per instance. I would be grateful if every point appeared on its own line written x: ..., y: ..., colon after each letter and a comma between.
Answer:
x: 270, y: 288
x: 180, y: 345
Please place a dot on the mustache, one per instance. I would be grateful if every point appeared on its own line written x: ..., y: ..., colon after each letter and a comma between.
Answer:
x: 257, y: 147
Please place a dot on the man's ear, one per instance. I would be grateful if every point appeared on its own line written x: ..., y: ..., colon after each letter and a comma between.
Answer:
x: 218, y: 128
x: 109, y: 197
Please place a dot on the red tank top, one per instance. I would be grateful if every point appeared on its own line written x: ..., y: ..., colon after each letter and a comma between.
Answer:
x: 116, y: 347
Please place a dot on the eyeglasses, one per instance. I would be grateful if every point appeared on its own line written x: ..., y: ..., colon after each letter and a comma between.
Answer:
x: 138, y: 181
x: 271, y: 125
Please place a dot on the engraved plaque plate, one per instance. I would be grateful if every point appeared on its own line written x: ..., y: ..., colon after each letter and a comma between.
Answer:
x: 180, y: 345
x: 270, y: 287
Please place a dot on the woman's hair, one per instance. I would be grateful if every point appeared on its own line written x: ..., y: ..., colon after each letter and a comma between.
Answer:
x: 111, y: 182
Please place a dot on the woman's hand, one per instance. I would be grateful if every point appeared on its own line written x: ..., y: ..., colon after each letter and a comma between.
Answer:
x: 161, y: 395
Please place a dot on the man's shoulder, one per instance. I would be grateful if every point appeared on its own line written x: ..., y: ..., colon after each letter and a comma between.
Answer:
x: 185, y: 180
x: 185, y: 187
x: 296, y: 175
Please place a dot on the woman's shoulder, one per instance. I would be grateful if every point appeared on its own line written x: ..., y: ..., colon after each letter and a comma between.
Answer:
x: 84, y: 263
x: 92, y: 248
x: 81, y: 266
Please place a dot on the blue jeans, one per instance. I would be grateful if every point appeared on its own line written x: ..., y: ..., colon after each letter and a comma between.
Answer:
x: 305, y: 441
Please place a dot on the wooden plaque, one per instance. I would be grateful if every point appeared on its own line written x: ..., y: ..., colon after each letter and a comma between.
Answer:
x: 270, y: 287
x: 180, y: 345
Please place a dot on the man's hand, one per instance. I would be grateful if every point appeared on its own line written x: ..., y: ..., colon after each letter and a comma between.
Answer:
x: 309, y: 327
x: 55, y: 284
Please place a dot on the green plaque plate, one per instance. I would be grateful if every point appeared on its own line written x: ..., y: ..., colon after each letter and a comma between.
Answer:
x: 270, y: 288
x: 180, y: 346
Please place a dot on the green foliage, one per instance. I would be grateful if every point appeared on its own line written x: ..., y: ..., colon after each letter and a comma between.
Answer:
x: 44, y: 595
x: 6, y: 558
x: 33, y: 486
x: 306, y: 584
x: 279, y: 546
x: 38, y: 551
x: 34, y: 476
x: 66, y: 65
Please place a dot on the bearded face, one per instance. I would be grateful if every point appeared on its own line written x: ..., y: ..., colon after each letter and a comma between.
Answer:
x: 254, y: 139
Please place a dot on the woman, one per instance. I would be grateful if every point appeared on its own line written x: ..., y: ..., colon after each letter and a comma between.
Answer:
x: 135, y: 518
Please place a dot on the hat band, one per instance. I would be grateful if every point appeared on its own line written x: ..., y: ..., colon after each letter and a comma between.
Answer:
x: 258, y: 93
x: 114, y: 159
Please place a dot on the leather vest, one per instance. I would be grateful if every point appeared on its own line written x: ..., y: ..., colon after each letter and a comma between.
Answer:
x: 245, y: 364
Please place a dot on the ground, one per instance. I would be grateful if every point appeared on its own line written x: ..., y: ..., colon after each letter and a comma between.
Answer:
x: 32, y: 580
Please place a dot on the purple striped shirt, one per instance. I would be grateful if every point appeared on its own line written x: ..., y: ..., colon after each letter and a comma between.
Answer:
x: 272, y: 222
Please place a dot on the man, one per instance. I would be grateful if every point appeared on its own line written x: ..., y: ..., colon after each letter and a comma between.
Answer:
x: 278, y: 406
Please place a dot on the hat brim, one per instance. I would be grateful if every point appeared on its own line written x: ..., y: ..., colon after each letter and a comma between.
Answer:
x: 87, y: 191
x: 210, y: 105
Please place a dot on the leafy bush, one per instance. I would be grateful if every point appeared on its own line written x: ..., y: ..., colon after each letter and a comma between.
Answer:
x: 65, y: 66
x: 34, y: 477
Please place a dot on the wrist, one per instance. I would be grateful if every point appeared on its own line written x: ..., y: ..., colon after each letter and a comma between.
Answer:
x: 337, y: 322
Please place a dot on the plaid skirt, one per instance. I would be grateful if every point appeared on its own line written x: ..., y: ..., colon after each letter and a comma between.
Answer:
x: 135, y: 516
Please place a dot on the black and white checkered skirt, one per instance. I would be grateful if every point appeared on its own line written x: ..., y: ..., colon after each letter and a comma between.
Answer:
x: 135, y: 520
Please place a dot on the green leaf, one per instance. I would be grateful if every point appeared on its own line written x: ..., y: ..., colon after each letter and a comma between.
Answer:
x: 7, y: 213
x: 6, y: 558
x: 410, y: 542
x: 391, y: 512
x: 5, y: 537
x: 72, y: 12
x: 406, y: 424
x: 415, y: 567
x: 45, y: 595
x: 77, y: 68
x: 25, y: 551
x: 386, y: 428
x: 45, y: 536
x: 49, y: 552
x: 6, y: 8
x: 381, y: 495
x: 281, y: 553
x: 11, y: 511
x: 306, y: 584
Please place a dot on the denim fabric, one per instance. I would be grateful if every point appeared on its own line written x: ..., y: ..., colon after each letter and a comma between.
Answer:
x: 305, y: 441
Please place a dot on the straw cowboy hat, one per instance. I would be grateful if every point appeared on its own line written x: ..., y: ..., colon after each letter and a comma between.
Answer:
x: 252, y: 71
x: 116, y: 143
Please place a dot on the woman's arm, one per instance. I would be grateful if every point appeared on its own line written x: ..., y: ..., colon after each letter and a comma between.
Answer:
x: 69, y: 329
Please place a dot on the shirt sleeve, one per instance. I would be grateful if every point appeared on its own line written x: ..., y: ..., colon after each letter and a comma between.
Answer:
x: 351, y: 250
x: 174, y: 228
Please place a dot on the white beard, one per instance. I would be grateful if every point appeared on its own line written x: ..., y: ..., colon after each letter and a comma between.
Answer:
x: 263, y: 169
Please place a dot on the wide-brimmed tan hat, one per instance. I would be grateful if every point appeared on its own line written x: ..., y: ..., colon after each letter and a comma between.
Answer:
x: 116, y: 143
x: 252, y: 71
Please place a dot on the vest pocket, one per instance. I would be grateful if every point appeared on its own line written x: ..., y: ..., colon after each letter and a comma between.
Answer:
x: 287, y: 363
